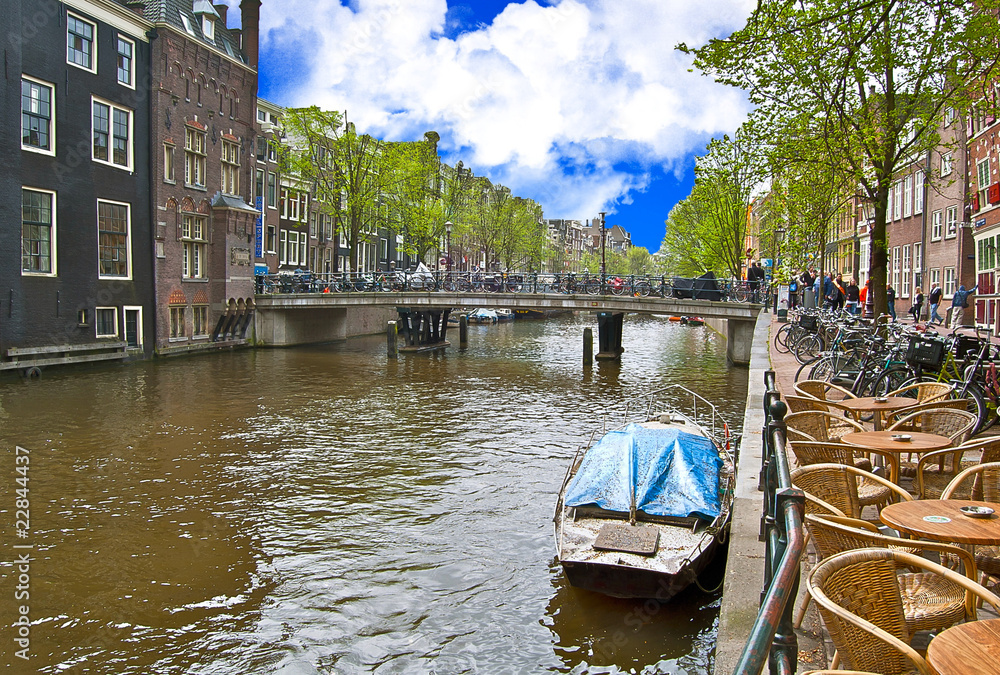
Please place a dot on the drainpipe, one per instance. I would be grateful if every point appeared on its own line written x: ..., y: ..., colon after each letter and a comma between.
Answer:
x: 924, y: 281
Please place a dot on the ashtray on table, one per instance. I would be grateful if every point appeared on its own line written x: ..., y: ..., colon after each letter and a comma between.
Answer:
x: 977, y: 511
x: 881, y: 399
x: 901, y: 437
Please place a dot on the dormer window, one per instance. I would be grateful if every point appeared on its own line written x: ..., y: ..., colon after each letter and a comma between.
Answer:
x: 209, y: 15
x: 208, y: 27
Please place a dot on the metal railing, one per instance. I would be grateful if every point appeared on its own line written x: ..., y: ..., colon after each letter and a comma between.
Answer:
x: 773, y: 637
x: 303, y: 281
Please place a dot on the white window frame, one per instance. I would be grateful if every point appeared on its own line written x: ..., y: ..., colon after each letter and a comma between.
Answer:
x: 947, y: 163
x: 169, y: 163
x: 194, y: 267
x: 53, y: 231
x: 272, y: 194
x: 195, y: 310
x: 918, y: 192
x: 208, y: 28
x: 131, y: 64
x: 951, y: 222
x: 200, y: 157
x: 983, y: 185
x: 129, y: 150
x: 948, y: 288
x: 230, y: 167
x: 97, y: 323
x: 282, y: 247
x: 935, y: 274
x: 895, y: 269
x: 175, y: 334
x: 906, y: 278
x: 93, y: 43
x: 936, y: 225
x: 128, y: 240
x: 138, y: 336
x: 52, y: 118
x: 897, y: 200
x: 908, y: 196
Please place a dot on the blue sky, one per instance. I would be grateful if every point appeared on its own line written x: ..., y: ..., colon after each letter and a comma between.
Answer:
x: 582, y: 105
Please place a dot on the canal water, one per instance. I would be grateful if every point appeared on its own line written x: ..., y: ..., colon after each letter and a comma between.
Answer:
x: 326, y: 510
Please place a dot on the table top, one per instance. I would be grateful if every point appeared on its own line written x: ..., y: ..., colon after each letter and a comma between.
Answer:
x: 966, y: 649
x: 882, y: 440
x: 941, y: 520
x: 868, y: 403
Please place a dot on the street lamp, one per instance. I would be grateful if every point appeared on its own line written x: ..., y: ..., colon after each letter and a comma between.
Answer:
x: 604, y: 264
x: 447, y: 229
x: 779, y: 236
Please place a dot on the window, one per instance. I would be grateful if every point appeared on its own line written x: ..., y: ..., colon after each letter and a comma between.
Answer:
x: 272, y: 190
x: 259, y: 186
x: 907, y: 196
x: 106, y: 322
x: 126, y: 72
x: 261, y: 116
x: 294, y: 204
x: 949, y: 116
x: 177, y: 327
x: 283, y: 247
x: 112, y: 129
x: 983, y: 178
x: 918, y: 265
x: 312, y: 226
x: 230, y: 168
x: 36, y: 116
x: 293, y: 248
x: 895, y: 267
x: 261, y: 148
x: 194, y: 242
x: 936, y: 226
x: 168, y: 162
x: 951, y: 221
x: 272, y: 242
x: 112, y: 239
x: 897, y: 200
x: 80, y: 43
x: 949, y: 282
x: 918, y: 192
x: 38, y: 232
x: 199, y: 316
x: 383, y: 249
x: 208, y: 27
x: 935, y: 277
x: 272, y: 152
x: 946, y: 164
x: 906, y: 271
x: 194, y: 158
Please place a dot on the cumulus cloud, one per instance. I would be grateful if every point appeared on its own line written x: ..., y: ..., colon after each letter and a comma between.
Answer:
x: 570, y: 102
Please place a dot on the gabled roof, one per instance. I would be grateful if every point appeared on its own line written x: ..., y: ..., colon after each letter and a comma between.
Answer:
x: 221, y: 201
x: 174, y: 12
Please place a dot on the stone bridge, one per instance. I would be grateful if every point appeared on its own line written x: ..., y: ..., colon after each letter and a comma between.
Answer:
x: 284, y: 319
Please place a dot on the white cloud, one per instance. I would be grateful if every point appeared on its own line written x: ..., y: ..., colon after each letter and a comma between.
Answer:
x: 546, y: 99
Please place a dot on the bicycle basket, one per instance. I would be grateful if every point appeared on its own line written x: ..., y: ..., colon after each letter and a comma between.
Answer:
x: 808, y: 322
x: 924, y: 352
x: 965, y: 344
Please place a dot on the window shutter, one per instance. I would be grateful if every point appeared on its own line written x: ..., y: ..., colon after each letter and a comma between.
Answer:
x: 993, y: 193
x: 975, y: 202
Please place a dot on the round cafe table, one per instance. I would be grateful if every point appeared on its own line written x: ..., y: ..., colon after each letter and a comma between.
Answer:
x: 883, y: 440
x: 966, y: 649
x: 941, y: 520
x: 879, y: 406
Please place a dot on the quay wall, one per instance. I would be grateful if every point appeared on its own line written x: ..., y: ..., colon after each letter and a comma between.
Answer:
x: 320, y: 324
x: 745, y: 567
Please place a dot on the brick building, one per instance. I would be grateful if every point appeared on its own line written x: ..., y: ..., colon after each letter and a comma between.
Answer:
x: 203, y: 106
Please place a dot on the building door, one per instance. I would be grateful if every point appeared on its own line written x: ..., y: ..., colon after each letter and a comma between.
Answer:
x: 133, y: 326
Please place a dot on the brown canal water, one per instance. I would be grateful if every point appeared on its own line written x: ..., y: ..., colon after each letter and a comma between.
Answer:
x: 325, y: 510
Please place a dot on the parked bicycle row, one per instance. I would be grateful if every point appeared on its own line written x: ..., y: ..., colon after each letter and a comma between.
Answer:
x: 869, y: 358
x: 422, y: 279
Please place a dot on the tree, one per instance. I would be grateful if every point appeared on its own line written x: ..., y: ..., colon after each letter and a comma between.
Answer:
x: 412, y: 194
x: 875, y: 76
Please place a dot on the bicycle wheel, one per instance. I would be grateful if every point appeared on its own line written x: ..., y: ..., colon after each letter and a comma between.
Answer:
x: 822, y: 368
x: 741, y: 294
x: 891, y: 379
x: 977, y: 402
x: 643, y: 289
x: 781, y: 339
x: 808, y: 348
x: 592, y: 287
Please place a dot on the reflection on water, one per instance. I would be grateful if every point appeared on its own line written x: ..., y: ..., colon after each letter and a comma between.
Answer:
x: 324, y: 510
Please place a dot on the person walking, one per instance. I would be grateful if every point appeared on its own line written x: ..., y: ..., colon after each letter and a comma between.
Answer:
x: 890, y: 300
x: 817, y: 290
x: 853, y: 295
x: 959, y: 302
x: 839, y: 293
x: 918, y: 303
x: 754, y: 276
x: 934, y: 299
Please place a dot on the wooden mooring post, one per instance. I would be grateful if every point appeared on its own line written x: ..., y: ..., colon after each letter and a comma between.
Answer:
x: 390, y: 341
x: 463, y: 331
x: 588, y: 346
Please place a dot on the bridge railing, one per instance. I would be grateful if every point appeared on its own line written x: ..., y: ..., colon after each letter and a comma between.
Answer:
x: 772, y: 635
x: 302, y: 281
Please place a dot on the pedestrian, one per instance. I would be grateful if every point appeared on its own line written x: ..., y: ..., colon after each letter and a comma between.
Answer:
x: 829, y: 291
x: 755, y: 275
x: 818, y: 280
x: 959, y: 302
x: 890, y: 300
x: 918, y: 302
x: 805, y: 283
x: 863, y: 295
x: 853, y: 297
x: 839, y: 293
x: 934, y: 299
x: 793, y: 290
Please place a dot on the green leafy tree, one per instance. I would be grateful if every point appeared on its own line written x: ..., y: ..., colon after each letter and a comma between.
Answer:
x: 875, y: 76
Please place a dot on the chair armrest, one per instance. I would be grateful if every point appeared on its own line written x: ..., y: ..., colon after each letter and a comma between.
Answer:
x: 891, y: 460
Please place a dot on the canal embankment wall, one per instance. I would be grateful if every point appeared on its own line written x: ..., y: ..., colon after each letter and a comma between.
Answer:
x: 321, y: 324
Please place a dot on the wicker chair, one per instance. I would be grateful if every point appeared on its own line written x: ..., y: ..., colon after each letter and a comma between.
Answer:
x: 955, y: 424
x: 981, y: 483
x: 816, y: 452
x: 934, y: 472
x: 859, y: 598
x: 836, y: 485
x: 824, y: 391
x: 929, y: 602
x: 816, y: 425
x: 925, y: 392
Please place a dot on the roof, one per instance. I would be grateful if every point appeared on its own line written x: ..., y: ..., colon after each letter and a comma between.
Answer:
x: 173, y: 13
x: 221, y: 201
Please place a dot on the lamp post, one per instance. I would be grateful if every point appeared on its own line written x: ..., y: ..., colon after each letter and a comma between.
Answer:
x: 779, y: 236
x: 447, y: 229
x: 604, y: 264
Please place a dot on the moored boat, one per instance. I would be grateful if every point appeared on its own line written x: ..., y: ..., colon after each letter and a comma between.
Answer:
x: 695, y: 321
x: 505, y: 315
x: 642, y: 511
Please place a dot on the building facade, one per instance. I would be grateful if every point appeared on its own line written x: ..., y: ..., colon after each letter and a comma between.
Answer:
x: 75, y: 204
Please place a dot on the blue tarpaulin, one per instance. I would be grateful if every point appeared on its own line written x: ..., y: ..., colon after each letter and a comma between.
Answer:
x: 676, y: 473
